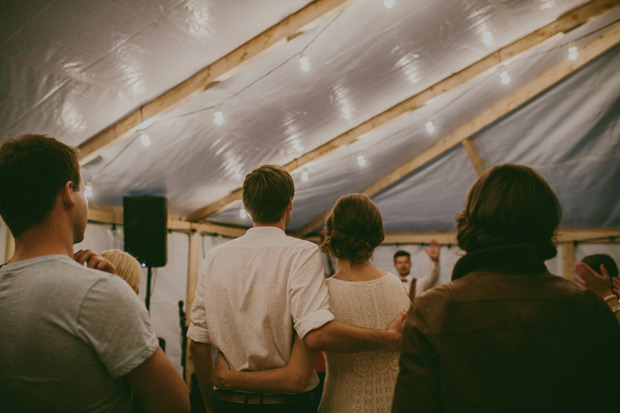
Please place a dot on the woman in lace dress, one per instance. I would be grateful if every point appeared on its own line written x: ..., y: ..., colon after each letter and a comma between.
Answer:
x: 361, y: 295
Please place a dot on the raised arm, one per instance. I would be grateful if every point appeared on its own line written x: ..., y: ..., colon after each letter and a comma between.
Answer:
x: 429, y: 282
x: 293, y: 378
x: 600, y: 284
x: 343, y: 338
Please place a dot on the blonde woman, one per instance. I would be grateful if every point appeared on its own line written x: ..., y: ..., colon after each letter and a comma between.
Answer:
x: 127, y: 267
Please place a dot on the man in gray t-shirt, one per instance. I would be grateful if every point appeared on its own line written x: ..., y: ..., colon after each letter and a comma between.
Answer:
x: 71, y: 338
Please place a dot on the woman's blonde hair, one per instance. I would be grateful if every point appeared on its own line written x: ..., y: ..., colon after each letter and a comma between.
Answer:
x: 127, y: 267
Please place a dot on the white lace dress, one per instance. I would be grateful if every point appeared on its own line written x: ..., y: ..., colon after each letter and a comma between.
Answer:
x: 363, y: 382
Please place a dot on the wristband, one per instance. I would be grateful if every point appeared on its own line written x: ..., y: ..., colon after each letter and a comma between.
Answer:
x: 615, y: 308
x: 610, y: 297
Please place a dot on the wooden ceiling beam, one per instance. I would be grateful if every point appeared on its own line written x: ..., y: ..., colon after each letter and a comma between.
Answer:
x: 548, y: 79
x: 474, y: 156
x: 563, y: 236
x: 114, y: 215
x: 277, y: 35
x: 563, y: 24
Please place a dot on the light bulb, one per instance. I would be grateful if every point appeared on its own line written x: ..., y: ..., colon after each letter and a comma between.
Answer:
x: 573, y: 53
x: 361, y: 161
x: 430, y: 128
x: 143, y: 265
x: 243, y: 213
x: 487, y: 38
x: 304, y: 62
x: 88, y: 191
x: 218, y: 117
x: 145, y: 139
x: 305, y: 175
x: 389, y: 3
x: 504, y: 76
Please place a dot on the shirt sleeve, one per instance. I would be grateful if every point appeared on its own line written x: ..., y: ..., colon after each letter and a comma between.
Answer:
x: 113, y: 320
x: 308, y: 293
x: 430, y: 281
x: 198, y: 330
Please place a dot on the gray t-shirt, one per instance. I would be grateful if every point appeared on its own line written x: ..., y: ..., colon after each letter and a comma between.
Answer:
x: 68, y: 335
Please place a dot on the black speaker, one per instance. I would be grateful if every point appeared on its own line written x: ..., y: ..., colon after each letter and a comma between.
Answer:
x: 146, y: 220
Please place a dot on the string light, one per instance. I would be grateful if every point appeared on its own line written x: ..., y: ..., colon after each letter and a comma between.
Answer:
x: 430, y: 128
x: 218, y: 116
x: 88, y: 190
x: 145, y: 139
x: 487, y: 38
x: 243, y: 213
x: 304, y: 62
x: 389, y: 3
x: 504, y: 76
x: 361, y: 161
x: 305, y: 175
x: 573, y: 52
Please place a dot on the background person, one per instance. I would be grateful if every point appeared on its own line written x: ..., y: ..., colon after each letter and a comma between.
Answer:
x: 402, y: 264
x: 605, y: 284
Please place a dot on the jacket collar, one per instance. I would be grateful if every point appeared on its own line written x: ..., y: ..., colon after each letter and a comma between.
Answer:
x: 509, y: 259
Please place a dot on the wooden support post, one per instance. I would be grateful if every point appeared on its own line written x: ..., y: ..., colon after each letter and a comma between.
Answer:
x: 192, y: 279
x: 568, y: 260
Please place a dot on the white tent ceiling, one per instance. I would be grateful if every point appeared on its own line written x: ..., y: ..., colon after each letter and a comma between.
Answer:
x: 71, y: 68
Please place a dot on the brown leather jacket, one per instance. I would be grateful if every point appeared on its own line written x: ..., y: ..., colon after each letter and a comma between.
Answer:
x: 495, y: 340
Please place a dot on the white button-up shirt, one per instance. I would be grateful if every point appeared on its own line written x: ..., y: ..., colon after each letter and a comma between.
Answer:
x: 252, y: 291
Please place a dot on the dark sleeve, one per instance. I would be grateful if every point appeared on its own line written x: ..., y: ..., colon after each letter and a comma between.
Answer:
x: 418, y: 384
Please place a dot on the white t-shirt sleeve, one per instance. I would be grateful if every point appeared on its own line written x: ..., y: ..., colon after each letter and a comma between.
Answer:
x: 116, y: 324
x: 308, y: 294
x: 198, y: 330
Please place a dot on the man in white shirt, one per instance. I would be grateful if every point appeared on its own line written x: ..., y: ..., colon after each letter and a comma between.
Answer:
x: 256, y: 292
x: 71, y: 338
x: 402, y: 264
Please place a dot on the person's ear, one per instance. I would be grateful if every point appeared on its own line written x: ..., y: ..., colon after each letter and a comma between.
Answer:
x: 290, y: 204
x: 67, y: 195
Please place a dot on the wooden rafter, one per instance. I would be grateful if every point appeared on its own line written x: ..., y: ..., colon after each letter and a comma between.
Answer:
x: 563, y: 236
x: 474, y: 156
x: 277, y: 35
x: 563, y: 24
x: 552, y: 76
x: 114, y: 215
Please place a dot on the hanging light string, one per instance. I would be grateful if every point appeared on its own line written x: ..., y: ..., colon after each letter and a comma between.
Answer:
x: 296, y: 55
x: 571, y: 43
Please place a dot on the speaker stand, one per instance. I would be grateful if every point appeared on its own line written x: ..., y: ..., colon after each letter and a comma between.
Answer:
x: 147, y: 299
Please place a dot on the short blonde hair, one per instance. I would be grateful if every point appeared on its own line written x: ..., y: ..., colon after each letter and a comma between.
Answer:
x: 127, y: 267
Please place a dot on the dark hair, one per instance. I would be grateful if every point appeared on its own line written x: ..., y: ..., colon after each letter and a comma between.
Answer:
x: 595, y: 261
x: 266, y: 193
x: 353, y: 229
x: 33, y: 169
x: 509, y: 204
x: 401, y: 253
